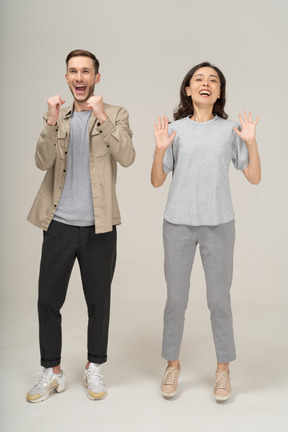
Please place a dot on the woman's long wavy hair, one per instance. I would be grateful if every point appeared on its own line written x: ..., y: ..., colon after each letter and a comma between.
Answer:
x: 185, y: 107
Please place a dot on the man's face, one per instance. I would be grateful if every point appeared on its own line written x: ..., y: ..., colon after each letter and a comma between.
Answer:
x: 81, y: 77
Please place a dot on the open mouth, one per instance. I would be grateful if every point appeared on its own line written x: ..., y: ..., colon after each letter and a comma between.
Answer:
x: 205, y: 93
x: 80, y: 88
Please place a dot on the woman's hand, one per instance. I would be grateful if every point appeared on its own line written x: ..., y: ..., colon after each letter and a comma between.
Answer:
x: 162, y: 138
x: 163, y: 141
x: 248, y: 128
x: 248, y: 135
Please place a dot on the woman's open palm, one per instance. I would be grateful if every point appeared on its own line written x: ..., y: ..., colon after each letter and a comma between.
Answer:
x: 248, y: 127
x: 162, y: 138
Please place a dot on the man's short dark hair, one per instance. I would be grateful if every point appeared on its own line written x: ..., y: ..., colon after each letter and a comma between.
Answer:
x: 83, y: 53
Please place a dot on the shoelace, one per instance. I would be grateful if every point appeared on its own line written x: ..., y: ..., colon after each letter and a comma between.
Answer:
x: 170, y: 377
x: 222, y: 380
x: 93, y: 377
x: 43, y: 381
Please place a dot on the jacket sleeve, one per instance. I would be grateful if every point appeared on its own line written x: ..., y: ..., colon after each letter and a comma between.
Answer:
x: 118, y: 137
x: 45, y: 154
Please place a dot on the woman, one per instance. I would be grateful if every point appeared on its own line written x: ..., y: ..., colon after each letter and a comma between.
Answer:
x: 198, y: 148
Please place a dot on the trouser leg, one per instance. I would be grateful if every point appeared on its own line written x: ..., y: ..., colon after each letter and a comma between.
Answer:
x: 58, y: 256
x: 97, y: 258
x: 179, y: 249
x: 216, y: 249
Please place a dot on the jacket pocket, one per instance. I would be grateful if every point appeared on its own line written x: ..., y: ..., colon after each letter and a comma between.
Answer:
x: 62, y: 144
x: 99, y: 148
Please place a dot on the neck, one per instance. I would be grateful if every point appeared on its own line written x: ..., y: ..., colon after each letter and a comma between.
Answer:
x: 202, y: 114
x: 80, y: 106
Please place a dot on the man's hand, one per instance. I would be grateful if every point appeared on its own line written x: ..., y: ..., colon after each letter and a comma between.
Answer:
x: 54, y: 105
x: 95, y: 104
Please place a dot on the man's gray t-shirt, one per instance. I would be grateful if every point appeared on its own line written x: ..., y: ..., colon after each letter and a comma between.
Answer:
x: 199, y: 157
x: 76, y: 204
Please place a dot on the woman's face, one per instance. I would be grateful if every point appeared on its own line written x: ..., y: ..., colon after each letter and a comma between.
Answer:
x: 204, y: 87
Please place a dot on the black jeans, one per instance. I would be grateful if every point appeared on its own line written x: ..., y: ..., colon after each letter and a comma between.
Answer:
x: 96, y: 254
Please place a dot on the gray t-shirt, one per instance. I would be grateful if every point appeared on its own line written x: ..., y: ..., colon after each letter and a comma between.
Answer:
x: 199, y: 157
x: 76, y: 205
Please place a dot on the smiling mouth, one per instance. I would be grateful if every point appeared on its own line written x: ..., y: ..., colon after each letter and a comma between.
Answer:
x: 205, y: 93
x: 80, y: 88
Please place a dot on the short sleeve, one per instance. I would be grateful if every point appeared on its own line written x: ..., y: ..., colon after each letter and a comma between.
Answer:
x: 240, y: 155
x: 168, y: 161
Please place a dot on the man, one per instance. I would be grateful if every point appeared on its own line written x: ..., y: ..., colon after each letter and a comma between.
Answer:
x: 77, y: 209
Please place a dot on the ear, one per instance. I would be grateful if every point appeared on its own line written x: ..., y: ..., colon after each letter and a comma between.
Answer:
x: 66, y: 78
x: 219, y: 94
x: 97, y: 78
x: 188, y: 91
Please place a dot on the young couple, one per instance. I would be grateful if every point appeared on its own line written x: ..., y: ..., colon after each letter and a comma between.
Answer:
x: 77, y: 209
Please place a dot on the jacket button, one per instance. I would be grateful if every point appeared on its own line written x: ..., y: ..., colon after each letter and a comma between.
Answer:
x: 100, y: 131
x: 64, y: 170
x: 108, y: 145
x: 66, y: 152
x: 55, y: 205
x: 98, y: 124
x: 56, y: 130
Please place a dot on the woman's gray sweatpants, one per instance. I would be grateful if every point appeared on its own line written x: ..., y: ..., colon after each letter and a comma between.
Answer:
x: 216, y: 248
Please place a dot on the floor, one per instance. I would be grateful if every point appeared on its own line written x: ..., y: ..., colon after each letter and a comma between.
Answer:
x: 135, y: 368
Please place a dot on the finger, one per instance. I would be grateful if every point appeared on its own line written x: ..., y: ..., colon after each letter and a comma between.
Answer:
x: 245, y: 116
x: 155, y: 127
x: 167, y: 123
x: 92, y: 99
x: 172, y: 136
x: 53, y: 100
x: 241, y: 120
x: 58, y: 102
x: 163, y: 122
x: 57, y: 98
x: 237, y: 131
x: 54, y: 97
x: 62, y: 101
x: 256, y: 120
x: 159, y: 123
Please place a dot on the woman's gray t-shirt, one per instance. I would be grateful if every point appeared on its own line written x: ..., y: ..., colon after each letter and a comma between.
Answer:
x: 200, y: 157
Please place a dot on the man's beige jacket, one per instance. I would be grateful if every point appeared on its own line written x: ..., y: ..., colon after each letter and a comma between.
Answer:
x: 109, y: 143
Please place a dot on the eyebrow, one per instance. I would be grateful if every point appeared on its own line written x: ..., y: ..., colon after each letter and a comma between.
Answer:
x: 75, y: 67
x: 215, y: 76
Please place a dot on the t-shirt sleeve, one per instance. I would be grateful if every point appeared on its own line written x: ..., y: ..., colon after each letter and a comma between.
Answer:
x: 240, y: 155
x: 168, y: 161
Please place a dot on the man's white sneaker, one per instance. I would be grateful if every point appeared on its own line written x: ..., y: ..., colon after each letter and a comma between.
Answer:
x: 93, y: 382
x: 47, y: 383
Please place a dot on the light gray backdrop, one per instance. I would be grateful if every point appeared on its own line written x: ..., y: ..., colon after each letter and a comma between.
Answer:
x: 145, y: 49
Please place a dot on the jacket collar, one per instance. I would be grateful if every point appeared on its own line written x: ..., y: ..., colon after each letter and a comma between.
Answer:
x: 67, y: 112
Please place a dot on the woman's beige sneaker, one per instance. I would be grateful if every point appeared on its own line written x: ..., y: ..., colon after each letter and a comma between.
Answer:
x: 222, y: 389
x: 170, y: 381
